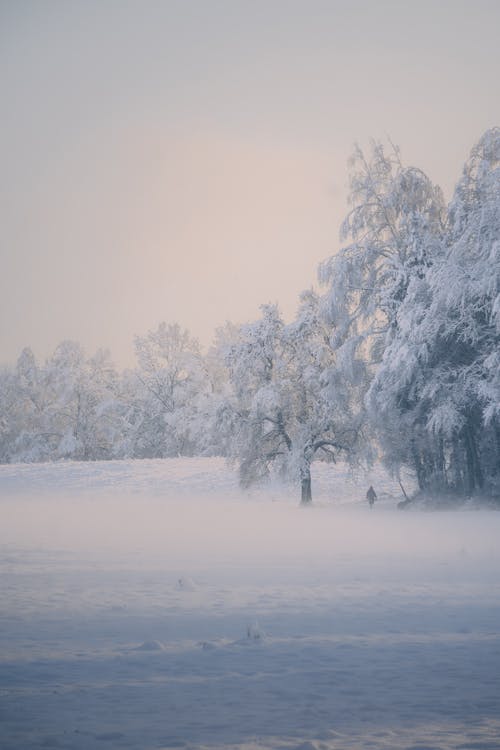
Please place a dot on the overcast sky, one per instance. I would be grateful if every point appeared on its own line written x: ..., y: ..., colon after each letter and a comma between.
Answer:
x: 187, y: 161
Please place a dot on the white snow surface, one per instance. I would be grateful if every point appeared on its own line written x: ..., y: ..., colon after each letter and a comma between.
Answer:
x: 152, y: 604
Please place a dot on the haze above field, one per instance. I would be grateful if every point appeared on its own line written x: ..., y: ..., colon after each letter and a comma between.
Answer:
x: 150, y: 604
x: 188, y: 161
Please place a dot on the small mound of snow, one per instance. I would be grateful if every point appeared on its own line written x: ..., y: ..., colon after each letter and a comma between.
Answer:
x: 186, y: 584
x: 150, y: 646
x: 207, y: 646
x: 254, y: 632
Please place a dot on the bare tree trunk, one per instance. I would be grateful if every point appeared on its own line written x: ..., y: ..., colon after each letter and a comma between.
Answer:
x: 417, y: 464
x: 305, y: 482
x: 474, y: 471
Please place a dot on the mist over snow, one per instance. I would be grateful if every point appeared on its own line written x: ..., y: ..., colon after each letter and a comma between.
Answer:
x: 192, y: 510
x: 154, y: 604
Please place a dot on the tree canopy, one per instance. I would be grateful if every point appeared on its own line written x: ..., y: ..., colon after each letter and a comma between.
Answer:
x: 397, y: 356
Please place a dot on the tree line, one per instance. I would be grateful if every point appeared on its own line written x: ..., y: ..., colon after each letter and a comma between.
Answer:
x: 397, y: 357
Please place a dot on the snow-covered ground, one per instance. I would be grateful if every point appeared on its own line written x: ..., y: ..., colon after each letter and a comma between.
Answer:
x: 150, y: 604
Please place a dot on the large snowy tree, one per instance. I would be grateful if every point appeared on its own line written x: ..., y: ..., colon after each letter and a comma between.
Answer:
x: 433, y: 399
x: 394, y: 232
x: 462, y: 328
x: 290, y: 405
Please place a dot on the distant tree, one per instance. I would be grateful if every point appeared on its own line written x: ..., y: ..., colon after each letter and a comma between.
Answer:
x: 254, y: 362
x: 36, y: 437
x: 216, y: 407
x: 66, y: 408
x: 10, y: 423
x: 171, y: 376
x: 80, y: 403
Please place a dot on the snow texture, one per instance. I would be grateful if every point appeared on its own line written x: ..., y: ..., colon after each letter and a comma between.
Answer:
x: 151, y: 604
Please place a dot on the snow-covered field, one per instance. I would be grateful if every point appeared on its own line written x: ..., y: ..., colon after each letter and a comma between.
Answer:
x: 150, y: 604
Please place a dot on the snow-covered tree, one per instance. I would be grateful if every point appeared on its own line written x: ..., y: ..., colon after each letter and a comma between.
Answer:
x: 434, y: 396
x: 255, y: 364
x: 326, y: 411
x: 10, y: 422
x: 80, y: 403
x: 171, y: 378
x: 216, y: 406
x: 65, y: 408
x: 462, y: 325
x: 394, y: 233
x: 290, y: 406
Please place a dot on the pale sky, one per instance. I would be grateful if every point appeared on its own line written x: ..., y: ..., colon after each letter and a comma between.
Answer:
x: 187, y: 161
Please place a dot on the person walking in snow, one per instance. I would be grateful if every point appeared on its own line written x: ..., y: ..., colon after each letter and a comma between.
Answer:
x: 371, y: 496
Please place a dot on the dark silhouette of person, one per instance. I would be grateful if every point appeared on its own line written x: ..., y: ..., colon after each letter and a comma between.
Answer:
x: 371, y: 496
